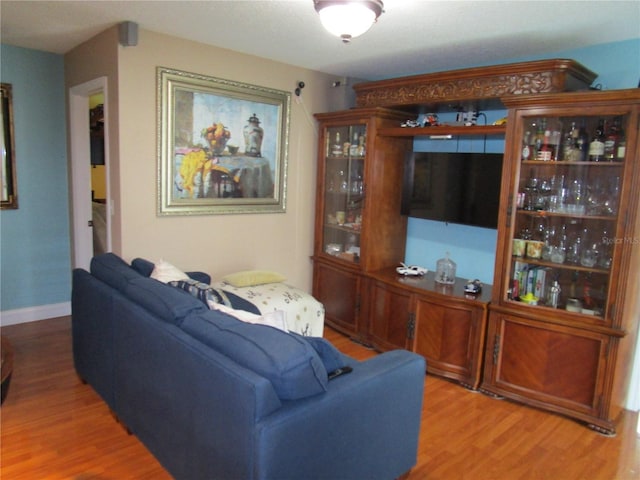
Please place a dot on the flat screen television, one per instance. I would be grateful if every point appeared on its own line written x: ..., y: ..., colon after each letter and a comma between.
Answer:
x: 461, y: 188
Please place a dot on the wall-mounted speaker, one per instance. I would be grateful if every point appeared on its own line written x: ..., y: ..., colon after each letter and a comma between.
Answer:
x: 128, y: 34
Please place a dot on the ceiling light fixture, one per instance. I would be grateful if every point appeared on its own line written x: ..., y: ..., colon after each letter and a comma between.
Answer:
x: 348, y: 19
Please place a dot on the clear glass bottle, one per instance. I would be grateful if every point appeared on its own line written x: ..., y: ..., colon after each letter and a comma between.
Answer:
x: 446, y: 270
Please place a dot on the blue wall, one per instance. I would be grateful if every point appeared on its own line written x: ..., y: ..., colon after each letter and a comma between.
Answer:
x: 473, y: 249
x: 34, y: 248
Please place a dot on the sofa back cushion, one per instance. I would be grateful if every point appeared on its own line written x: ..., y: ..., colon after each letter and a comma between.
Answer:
x: 168, y: 303
x: 113, y: 271
x: 291, y: 365
x: 142, y: 266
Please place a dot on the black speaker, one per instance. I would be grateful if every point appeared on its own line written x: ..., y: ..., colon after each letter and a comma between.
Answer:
x: 128, y: 34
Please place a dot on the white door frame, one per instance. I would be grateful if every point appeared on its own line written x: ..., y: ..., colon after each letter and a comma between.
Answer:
x: 79, y: 135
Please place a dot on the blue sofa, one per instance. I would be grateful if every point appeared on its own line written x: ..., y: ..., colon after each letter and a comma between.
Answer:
x: 212, y: 397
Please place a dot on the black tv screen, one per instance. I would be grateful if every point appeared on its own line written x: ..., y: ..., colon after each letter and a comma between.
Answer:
x: 459, y: 188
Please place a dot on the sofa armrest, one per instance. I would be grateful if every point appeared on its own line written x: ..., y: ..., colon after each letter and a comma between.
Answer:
x: 365, y: 426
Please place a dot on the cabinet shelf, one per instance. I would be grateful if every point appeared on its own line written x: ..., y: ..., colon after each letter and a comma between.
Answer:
x: 443, y: 130
x: 574, y: 164
x: 564, y: 266
x: 345, y: 228
x: 547, y: 213
x: 345, y: 158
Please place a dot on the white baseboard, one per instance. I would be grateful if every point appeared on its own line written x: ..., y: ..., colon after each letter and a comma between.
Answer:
x: 33, y: 314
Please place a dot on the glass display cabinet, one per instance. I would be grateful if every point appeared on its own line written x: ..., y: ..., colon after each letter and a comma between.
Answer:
x: 344, y: 155
x: 358, y: 225
x: 561, y: 324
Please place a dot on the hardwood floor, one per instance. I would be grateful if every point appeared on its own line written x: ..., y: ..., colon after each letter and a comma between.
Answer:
x: 54, y: 427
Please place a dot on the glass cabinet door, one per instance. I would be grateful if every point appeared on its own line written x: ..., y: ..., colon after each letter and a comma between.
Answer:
x: 563, y: 237
x: 344, y: 191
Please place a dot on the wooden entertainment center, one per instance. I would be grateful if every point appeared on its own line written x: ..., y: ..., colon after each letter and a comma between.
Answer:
x: 552, y: 357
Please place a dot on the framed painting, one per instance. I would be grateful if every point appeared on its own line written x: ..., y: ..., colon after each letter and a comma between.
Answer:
x: 9, y: 186
x: 222, y: 145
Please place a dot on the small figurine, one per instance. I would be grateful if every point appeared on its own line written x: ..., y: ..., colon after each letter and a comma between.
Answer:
x: 473, y: 286
x: 411, y: 270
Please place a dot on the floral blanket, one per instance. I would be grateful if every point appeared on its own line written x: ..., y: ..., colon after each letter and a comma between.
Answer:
x: 304, y: 314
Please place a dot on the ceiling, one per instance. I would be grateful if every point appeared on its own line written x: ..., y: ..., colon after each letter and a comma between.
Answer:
x: 412, y: 36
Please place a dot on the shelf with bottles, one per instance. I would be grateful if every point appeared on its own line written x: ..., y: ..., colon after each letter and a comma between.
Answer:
x: 575, y: 252
x: 575, y: 139
x: 582, y: 192
x: 576, y: 290
x: 345, y: 142
x: 588, y: 243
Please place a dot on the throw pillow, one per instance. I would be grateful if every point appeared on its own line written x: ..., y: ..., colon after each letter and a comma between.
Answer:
x: 250, y: 278
x: 332, y: 359
x: 203, y: 292
x: 165, y: 272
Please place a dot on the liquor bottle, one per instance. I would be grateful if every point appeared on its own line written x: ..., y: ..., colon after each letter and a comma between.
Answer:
x: 336, y: 150
x: 538, y: 140
x: 612, y: 140
x: 596, y: 147
x: 554, y: 294
x: 569, y: 144
x: 582, y: 144
x: 526, y: 149
x: 621, y: 149
x: 587, y: 299
x: 362, y: 145
x: 545, y: 150
x: 354, y: 145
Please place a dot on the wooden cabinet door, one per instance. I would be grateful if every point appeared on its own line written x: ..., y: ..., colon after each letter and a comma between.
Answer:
x: 388, y: 315
x: 551, y: 366
x: 339, y: 291
x: 451, y: 338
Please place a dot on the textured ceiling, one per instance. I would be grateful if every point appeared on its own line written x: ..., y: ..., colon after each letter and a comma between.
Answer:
x: 412, y: 36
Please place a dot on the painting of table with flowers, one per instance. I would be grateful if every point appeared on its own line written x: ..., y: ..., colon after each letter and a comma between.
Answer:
x: 225, y: 146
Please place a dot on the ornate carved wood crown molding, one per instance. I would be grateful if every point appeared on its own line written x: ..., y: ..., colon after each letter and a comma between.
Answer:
x: 543, y: 76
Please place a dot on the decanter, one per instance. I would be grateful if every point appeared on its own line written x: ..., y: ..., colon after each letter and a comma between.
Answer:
x: 446, y: 270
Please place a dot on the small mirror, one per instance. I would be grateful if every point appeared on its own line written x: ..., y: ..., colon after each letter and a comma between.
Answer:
x: 9, y: 186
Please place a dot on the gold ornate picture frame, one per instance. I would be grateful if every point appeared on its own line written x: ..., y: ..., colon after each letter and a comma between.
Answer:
x: 9, y: 185
x: 222, y: 145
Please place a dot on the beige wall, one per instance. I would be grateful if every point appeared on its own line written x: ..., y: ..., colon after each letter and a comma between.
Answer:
x: 218, y: 244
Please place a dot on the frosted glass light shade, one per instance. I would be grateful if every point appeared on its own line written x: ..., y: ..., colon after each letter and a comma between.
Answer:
x: 348, y: 19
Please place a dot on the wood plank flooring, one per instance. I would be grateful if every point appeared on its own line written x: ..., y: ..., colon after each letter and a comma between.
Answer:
x: 54, y: 427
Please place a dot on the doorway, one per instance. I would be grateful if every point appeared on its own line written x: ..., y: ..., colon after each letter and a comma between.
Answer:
x: 80, y: 98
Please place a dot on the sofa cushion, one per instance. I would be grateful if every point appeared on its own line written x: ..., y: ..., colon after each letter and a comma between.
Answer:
x: 113, y: 271
x: 168, y: 303
x: 287, y: 361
